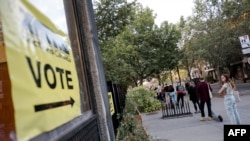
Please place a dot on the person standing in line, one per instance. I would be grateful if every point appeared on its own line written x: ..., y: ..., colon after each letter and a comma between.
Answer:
x: 159, y: 89
x: 180, y: 90
x: 191, y: 88
x: 166, y: 92
x: 159, y: 93
x: 172, y: 95
x: 229, y: 99
x: 203, y: 93
x: 163, y: 94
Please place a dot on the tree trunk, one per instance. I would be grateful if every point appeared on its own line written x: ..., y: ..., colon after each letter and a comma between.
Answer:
x: 160, y: 81
x: 141, y: 80
x: 171, y: 77
x: 187, y: 65
x: 135, y: 81
x: 219, y: 74
x: 178, y: 72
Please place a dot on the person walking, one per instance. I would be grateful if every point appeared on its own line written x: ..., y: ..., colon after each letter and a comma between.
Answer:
x: 203, y: 93
x: 229, y: 99
x: 191, y: 89
x: 216, y: 117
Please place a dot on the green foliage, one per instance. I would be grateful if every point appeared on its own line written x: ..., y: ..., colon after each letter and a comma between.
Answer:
x: 131, y: 128
x: 133, y: 47
x: 209, y: 78
x: 143, y: 99
x: 112, y: 16
x: 210, y: 35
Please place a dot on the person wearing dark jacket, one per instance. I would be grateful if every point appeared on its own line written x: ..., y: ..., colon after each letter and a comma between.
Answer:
x: 191, y: 88
x: 172, y: 95
x: 214, y: 115
x: 203, y: 93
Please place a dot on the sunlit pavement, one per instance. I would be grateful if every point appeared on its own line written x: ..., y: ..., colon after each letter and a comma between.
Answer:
x: 191, y: 128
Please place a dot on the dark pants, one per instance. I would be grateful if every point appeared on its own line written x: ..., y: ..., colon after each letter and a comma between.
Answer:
x: 161, y: 97
x: 196, y: 102
x: 202, y: 104
x: 180, y: 97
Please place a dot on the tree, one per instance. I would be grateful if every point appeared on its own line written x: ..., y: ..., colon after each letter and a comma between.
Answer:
x: 137, y: 49
x: 214, y: 35
x: 139, y: 52
x: 112, y: 17
x: 169, y: 53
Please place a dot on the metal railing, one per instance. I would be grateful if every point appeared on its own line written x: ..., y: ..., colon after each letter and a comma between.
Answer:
x: 119, y: 96
x: 170, y: 110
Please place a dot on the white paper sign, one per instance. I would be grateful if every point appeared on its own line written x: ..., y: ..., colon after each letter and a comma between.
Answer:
x: 244, y: 40
x: 246, y: 51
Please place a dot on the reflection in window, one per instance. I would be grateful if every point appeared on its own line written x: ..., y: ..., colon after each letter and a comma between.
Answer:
x: 54, y: 10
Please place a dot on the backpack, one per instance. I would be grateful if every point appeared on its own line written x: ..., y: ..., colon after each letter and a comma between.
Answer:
x: 180, y: 89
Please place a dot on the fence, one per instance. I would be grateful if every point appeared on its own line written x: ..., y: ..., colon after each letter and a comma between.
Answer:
x: 119, y: 96
x: 170, y: 110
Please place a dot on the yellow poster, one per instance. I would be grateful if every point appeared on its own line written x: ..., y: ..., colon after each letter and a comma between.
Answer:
x: 2, y: 51
x: 111, y: 103
x: 44, y: 83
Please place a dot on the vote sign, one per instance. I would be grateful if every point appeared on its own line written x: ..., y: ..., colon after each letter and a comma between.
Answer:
x: 44, y: 83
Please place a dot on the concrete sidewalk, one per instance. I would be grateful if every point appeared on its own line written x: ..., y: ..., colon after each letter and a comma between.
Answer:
x: 191, y: 128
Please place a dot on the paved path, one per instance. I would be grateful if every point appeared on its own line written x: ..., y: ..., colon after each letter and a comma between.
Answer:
x: 190, y: 128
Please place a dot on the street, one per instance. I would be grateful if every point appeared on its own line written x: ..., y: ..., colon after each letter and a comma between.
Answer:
x: 190, y: 128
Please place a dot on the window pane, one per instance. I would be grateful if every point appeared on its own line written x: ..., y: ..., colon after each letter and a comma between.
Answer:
x: 54, y: 10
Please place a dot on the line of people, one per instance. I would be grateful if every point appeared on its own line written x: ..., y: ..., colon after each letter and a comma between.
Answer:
x: 176, y: 97
x: 199, y: 95
x: 168, y: 91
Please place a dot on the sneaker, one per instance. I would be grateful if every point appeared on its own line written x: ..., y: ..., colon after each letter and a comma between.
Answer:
x: 202, y: 119
x: 209, y: 118
x: 220, y: 118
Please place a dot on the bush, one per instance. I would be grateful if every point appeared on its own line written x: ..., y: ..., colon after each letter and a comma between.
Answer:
x: 131, y: 130
x: 209, y: 78
x: 138, y: 100
x: 144, y: 99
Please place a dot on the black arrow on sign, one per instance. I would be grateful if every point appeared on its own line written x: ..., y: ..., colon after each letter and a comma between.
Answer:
x: 48, y: 106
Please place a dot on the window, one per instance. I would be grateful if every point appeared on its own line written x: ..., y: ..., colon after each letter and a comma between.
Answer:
x: 64, y: 21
